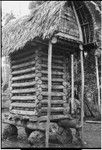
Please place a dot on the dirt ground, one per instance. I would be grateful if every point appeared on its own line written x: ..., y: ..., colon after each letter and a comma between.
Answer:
x: 92, y: 138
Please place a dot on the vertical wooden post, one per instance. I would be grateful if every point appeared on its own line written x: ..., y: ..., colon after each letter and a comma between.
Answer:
x: 97, y: 77
x: 101, y: 73
x: 101, y: 66
x: 82, y: 89
x: 72, y: 83
x: 49, y: 92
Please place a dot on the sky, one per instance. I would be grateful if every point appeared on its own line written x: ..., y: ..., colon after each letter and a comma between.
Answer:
x: 19, y: 8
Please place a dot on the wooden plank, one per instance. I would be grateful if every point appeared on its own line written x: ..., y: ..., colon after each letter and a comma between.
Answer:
x: 22, y: 77
x: 23, y: 84
x: 28, y: 90
x: 23, y: 65
x: 49, y: 92
x: 23, y: 98
x: 72, y: 83
x: 24, y: 105
x: 23, y: 71
x: 22, y: 112
x: 23, y: 59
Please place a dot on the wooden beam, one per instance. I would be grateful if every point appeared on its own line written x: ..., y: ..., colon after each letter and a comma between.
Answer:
x: 97, y: 78
x: 49, y: 92
x: 72, y: 83
x: 82, y: 89
x: 95, y: 122
x: 101, y: 70
x: 79, y: 7
x: 77, y: 19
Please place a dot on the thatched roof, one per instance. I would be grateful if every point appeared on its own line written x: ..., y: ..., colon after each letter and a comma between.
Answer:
x: 43, y: 23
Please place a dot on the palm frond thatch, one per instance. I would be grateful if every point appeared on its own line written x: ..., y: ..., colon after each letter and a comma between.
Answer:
x: 42, y: 23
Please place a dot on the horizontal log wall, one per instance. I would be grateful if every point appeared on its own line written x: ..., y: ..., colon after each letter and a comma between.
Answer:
x: 29, y: 83
x: 23, y: 85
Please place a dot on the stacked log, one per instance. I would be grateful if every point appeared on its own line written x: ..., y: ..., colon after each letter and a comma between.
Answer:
x: 23, y: 83
x: 29, y: 83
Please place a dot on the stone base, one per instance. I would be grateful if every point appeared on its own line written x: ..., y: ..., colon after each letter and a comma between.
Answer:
x: 28, y: 131
x: 10, y: 131
x: 58, y: 135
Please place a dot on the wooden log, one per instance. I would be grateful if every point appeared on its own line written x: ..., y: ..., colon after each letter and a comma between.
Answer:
x: 23, y: 84
x: 64, y: 83
x: 57, y: 80
x: 27, y: 64
x: 23, y: 97
x: 54, y: 93
x: 27, y: 90
x: 53, y: 109
x: 53, y: 63
x: 49, y: 92
x: 23, y: 71
x: 54, y: 60
x: 22, y: 112
x: 40, y: 97
x: 23, y: 59
x: 22, y: 77
x: 52, y: 101
x: 39, y: 82
x: 101, y: 74
x: 53, y: 86
x: 82, y: 90
x: 64, y: 98
x: 78, y: 23
x: 52, y: 118
x: 72, y: 83
x: 24, y: 54
x: 65, y: 91
x: 54, y: 76
x: 93, y: 122
x: 53, y: 67
x: 39, y: 74
x: 53, y: 72
x: 24, y: 105
x: 45, y: 55
x: 97, y: 78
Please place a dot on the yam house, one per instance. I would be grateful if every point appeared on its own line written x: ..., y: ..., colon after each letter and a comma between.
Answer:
x: 44, y: 50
